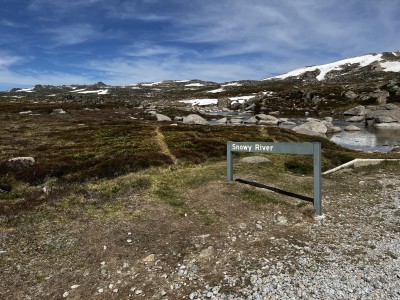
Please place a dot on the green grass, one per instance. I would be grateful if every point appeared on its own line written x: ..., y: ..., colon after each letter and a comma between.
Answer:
x: 259, y: 197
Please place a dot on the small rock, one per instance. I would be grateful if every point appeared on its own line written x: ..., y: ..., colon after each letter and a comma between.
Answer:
x: 58, y: 111
x: 222, y: 121
x: 206, y: 253
x: 75, y: 286
x: 282, y: 220
x: 355, y: 111
x: 352, y: 128
x: 149, y: 258
x: 194, y: 119
x: 27, y: 112
x: 161, y: 118
x: 356, y: 119
x: 18, y: 163
x: 65, y: 295
x: 254, y: 159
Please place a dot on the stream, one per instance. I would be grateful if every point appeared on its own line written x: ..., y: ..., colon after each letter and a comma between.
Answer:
x: 369, y: 138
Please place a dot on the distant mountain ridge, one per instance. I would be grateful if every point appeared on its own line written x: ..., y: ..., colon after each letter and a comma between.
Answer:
x: 366, y: 79
x: 351, y: 67
x: 356, y: 69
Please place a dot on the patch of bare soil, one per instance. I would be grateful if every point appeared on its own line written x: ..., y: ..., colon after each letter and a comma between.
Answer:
x: 141, y: 248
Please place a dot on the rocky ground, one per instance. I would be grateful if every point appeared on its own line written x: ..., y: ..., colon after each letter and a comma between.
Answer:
x: 223, y: 241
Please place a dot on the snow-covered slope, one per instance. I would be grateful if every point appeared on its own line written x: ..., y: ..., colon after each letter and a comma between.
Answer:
x: 387, y: 62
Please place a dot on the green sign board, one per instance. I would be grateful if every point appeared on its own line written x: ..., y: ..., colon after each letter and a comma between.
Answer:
x: 313, y: 149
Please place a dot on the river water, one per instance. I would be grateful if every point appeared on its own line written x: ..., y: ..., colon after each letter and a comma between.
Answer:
x: 369, y: 138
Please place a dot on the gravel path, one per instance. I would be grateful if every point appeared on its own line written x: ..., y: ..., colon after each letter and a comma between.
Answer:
x: 345, y: 260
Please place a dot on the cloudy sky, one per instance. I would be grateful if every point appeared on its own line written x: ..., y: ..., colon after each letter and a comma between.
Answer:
x: 128, y: 41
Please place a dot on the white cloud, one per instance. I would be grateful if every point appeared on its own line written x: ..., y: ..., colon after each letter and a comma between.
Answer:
x: 11, y: 24
x: 205, y: 39
x: 16, y: 79
x: 73, y: 34
x: 147, y: 49
x: 7, y: 59
x: 125, y: 71
x: 283, y: 28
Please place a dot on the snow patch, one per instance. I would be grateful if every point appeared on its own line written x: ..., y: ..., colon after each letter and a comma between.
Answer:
x: 77, y: 91
x: 28, y: 90
x: 240, y: 99
x: 232, y: 84
x: 98, y: 92
x: 194, y: 84
x: 200, y: 102
x: 363, y: 61
x: 181, y: 81
x: 269, y: 93
x: 391, y: 66
x: 151, y: 84
x: 216, y: 91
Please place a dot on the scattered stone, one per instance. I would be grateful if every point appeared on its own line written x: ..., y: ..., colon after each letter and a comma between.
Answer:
x: 350, y: 95
x: 267, y: 119
x: 316, y: 128
x: 178, y: 119
x: 194, y: 119
x: 149, y: 258
x: 254, y: 159
x: 268, y: 122
x: 58, y: 111
x: 206, y: 253
x: 27, y: 112
x: 222, y: 121
x: 163, y: 118
x: 252, y: 120
x: 18, y: 163
x: 335, y: 129
x: 352, y: 128
x: 65, y: 295
x: 288, y: 123
x: 355, y: 111
x: 355, y: 119
x: 236, y: 121
x: 282, y: 220
x: 384, y: 116
x: 250, y: 107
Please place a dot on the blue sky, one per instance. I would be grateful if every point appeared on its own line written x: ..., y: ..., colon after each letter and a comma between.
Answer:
x: 122, y: 42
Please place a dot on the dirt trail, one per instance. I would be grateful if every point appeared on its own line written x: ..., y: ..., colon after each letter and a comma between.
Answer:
x: 163, y: 145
